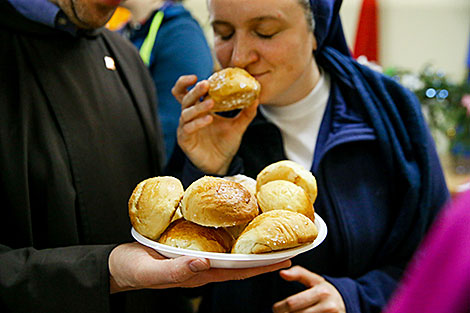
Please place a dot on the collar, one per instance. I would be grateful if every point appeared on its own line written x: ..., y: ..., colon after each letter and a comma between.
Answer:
x: 317, y: 97
x: 44, y: 12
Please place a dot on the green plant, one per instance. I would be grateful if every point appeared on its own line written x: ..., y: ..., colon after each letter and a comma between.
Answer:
x: 446, y: 104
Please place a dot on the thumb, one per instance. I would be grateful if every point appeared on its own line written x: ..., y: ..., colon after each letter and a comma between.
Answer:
x: 244, y: 118
x: 184, y: 268
x: 302, y: 275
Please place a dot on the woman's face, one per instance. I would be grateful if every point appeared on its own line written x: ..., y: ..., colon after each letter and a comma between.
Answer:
x: 269, y: 39
x: 88, y: 14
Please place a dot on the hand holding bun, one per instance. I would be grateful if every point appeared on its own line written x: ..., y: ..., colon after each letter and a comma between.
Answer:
x: 290, y: 171
x: 153, y: 204
x: 275, y: 230
x: 188, y: 235
x: 232, y: 88
x: 217, y: 202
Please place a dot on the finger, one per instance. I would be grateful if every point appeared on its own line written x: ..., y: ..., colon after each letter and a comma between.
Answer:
x: 180, y: 89
x: 194, y: 125
x: 244, y: 118
x: 221, y: 274
x: 174, y: 272
x: 302, y: 275
x: 193, y: 96
x: 298, y: 302
x: 197, y: 110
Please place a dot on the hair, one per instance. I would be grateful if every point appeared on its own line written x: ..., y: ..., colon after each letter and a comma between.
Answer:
x: 305, y: 4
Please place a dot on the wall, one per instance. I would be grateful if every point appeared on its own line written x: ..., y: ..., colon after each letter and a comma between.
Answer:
x: 412, y: 32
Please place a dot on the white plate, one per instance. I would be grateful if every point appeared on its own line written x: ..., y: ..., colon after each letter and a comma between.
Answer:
x: 227, y: 260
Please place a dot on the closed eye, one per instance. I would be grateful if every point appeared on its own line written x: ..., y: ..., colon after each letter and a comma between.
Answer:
x: 265, y: 36
x: 226, y: 37
x: 223, y: 30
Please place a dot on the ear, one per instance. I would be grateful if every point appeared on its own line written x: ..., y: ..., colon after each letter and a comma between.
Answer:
x: 314, y: 43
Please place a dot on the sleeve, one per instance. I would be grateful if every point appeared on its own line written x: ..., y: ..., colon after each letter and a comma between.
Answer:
x: 180, y: 49
x: 398, y: 229
x: 71, y: 279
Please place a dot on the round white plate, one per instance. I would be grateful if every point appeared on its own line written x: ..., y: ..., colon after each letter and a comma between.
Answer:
x: 228, y: 260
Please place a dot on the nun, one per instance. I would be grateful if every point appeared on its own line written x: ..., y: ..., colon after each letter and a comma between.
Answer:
x: 362, y: 135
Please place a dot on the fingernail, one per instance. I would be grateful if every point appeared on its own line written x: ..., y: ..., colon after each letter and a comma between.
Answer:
x: 198, y: 265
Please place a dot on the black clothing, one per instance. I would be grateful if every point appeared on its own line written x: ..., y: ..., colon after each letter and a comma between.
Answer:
x: 76, y: 138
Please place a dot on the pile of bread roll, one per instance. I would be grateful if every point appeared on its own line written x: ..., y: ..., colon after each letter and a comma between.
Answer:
x: 234, y: 214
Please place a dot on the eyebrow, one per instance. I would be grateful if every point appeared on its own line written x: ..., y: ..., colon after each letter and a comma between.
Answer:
x: 254, y: 20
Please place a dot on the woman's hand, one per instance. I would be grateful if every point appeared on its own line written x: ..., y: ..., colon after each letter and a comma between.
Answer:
x: 209, y: 140
x: 134, y: 266
x: 321, y: 296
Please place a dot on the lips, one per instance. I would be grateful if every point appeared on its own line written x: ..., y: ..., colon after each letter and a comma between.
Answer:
x: 258, y: 76
x: 113, y: 3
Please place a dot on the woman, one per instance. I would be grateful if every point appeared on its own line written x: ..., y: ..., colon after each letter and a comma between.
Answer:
x: 363, y: 136
x: 171, y: 43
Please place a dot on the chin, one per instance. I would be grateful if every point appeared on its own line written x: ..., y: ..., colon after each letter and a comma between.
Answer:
x: 89, y: 15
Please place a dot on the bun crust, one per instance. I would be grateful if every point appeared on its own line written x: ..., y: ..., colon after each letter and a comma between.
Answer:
x: 217, y: 202
x: 284, y: 195
x: 290, y: 171
x: 153, y: 204
x: 247, y: 182
x: 275, y: 230
x: 188, y: 235
x: 232, y: 88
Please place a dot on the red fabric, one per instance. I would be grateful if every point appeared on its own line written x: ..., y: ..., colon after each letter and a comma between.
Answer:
x: 367, y: 32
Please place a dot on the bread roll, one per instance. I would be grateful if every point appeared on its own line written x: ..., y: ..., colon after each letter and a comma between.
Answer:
x: 275, y: 230
x: 247, y: 182
x: 284, y: 195
x: 250, y: 184
x: 290, y: 171
x: 177, y: 215
x: 236, y: 230
x: 153, y: 204
x: 213, y: 201
x: 187, y: 235
x: 232, y: 88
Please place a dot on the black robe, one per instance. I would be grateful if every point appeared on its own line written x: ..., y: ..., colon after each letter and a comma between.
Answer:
x: 76, y: 137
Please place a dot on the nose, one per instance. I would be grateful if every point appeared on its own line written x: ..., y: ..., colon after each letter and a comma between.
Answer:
x: 243, y: 52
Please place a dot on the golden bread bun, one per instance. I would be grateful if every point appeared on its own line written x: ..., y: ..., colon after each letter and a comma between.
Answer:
x: 177, y: 215
x: 153, y: 204
x: 236, y: 230
x: 188, y: 235
x: 247, y: 182
x: 217, y: 202
x: 284, y: 195
x: 275, y: 230
x: 232, y: 88
x: 250, y: 184
x: 290, y: 171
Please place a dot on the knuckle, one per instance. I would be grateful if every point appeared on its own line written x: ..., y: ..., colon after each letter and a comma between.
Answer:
x: 176, y: 276
x: 322, y: 292
x: 330, y: 307
x: 289, y: 304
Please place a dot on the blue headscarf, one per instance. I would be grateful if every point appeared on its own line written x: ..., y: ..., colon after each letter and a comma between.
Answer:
x: 393, y: 112
x: 328, y: 28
